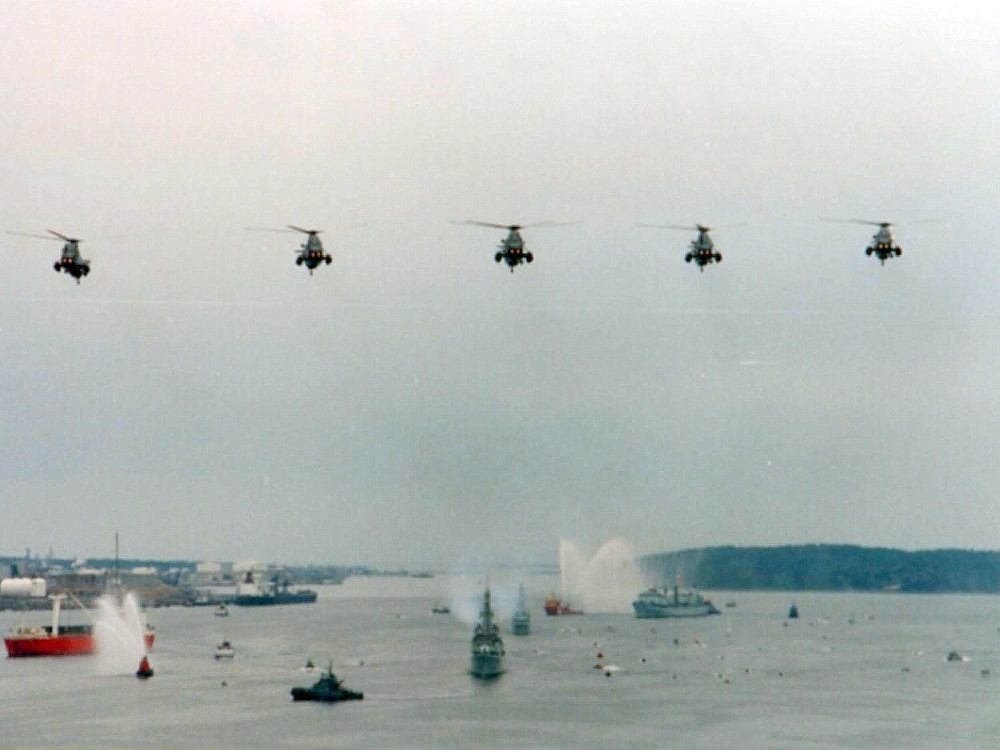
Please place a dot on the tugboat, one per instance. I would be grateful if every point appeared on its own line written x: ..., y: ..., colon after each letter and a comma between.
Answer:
x: 554, y: 607
x: 487, y: 647
x: 326, y: 689
x: 520, y: 623
x: 672, y: 602
x: 145, y: 671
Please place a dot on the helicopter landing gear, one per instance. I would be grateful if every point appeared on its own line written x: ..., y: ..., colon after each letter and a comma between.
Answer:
x: 298, y: 261
x: 498, y: 257
x: 687, y: 258
x: 718, y: 257
x: 868, y: 251
x: 56, y: 268
x: 529, y: 257
x: 328, y: 259
x: 899, y: 251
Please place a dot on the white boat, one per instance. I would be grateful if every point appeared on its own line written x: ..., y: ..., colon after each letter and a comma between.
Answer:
x: 224, y: 651
x: 672, y: 602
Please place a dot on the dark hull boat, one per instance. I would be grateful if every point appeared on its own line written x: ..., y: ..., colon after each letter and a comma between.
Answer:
x: 487, y: 646
x: 327, y: 689
x: 251, y: 594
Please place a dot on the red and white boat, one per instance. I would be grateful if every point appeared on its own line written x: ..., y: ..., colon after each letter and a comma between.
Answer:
x: 57, y: 639
x: 555, y: 607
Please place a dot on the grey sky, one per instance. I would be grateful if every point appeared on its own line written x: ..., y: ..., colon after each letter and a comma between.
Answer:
x: 415, y: 403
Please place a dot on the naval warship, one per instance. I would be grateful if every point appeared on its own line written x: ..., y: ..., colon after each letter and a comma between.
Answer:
x: 487, y: 647
x: 520, y: 623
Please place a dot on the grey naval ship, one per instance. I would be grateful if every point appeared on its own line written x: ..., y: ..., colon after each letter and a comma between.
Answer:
x: 487, y: 647
x: 520, y: 623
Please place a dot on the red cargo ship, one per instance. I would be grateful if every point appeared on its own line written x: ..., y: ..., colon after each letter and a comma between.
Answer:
x: 56, y: 639
x: 555, y: 607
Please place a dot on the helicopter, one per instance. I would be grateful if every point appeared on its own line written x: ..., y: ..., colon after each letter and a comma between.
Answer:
x: 70, y: 262
x: 511, y: 249
x: 702, y: 249
x: 883, y: 245
x: 311, y: 253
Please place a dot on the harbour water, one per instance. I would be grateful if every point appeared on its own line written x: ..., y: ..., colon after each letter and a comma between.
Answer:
x: 855, y: 671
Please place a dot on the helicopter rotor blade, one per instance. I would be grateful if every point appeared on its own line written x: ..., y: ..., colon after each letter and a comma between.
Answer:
x: 470, y: 222
x: 548, y: 224
x: 678, y: 227
x: 36, y: 236
x: 268, y: 229
x: 859, y: 221
x: 63, y: 237
x: 304, y: 231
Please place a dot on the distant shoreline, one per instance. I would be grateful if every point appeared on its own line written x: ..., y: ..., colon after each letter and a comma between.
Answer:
x: 829, y: 568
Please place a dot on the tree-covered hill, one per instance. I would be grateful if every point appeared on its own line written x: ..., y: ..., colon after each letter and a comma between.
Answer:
x: 828, y: 567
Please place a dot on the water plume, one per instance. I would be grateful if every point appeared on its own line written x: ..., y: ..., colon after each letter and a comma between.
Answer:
x: 120, y: 635
x: 465, y: 595
x: 606, y: 582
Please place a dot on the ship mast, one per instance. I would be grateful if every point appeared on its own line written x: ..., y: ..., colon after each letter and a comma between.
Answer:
x: 56, y: 604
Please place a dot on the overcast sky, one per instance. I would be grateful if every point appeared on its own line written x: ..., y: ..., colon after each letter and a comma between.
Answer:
x: 415, y: 403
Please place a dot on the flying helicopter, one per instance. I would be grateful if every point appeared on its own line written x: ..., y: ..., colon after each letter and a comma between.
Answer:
x: 702, y: 250
x: 311, y: 253
x: 511, y: 249
x: 71, y: 261
x: 883, y: 245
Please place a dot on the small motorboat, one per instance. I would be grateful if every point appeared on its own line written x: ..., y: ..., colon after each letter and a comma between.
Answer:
x: 224, y: 651
x: 441, y: 610
x: 145, y: 671
x: 793, y: 612
x: 222, y: 611
x: 327, y: 688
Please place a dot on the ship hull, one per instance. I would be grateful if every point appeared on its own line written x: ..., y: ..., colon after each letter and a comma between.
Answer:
x: 75, y: 644
x: 485, y: 666
x: 520, y: 624
x: 267, y: 600
x: 657, y: 612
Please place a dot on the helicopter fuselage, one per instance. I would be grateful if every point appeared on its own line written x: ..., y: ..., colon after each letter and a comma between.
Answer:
x: 70, y: 262
x: 511, y: 251
x: 883, y: 246
x: 311, y: 254
x: 702, y: 251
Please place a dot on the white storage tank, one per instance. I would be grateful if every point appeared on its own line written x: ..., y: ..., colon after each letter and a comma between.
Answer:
x: 15, y: 587
x: 38, y: 588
